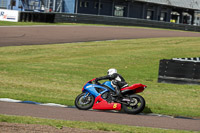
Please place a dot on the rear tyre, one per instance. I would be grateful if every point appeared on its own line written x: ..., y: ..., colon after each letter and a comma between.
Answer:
x: 83, y: 102
x: 136, y: 105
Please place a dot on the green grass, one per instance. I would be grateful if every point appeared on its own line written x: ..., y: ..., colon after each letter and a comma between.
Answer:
x: 86, y: 125
x: 56, y: 73
x: 6, y: 23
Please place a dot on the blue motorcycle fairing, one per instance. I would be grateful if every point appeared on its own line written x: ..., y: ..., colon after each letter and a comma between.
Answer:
x: 90, y: 88
x: 108, y: 83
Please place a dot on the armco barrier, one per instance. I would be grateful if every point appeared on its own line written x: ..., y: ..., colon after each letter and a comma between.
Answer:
x: 179, y: 71
x: 99, y: 19
x: 112, y: 20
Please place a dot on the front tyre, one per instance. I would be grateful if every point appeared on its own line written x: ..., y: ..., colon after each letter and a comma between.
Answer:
x: 136, y: 105
x: 84, y: 102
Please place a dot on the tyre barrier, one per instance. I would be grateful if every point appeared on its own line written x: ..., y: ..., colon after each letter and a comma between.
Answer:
x: 36, y: 17
x: 180, y: 71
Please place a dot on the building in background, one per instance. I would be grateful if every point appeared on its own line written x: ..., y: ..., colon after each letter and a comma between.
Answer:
x: 34, y: 5
x: 175, y: 11
x: 3, y: 4
x: 197, y: 18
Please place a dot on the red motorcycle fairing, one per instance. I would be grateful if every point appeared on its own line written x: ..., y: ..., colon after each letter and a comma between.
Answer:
x: 137, y: 87
x: 101, y: 104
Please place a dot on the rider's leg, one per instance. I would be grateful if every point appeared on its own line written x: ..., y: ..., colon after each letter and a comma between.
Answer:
x: 118, y: 92
x: 117, y: 89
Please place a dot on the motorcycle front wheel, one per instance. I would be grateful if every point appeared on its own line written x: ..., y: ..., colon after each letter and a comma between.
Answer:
x: 84, y: 102
x: 136, y: 105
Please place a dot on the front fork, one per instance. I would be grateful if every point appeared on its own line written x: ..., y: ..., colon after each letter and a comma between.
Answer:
x: 85, y: 98
x: 86, y: 95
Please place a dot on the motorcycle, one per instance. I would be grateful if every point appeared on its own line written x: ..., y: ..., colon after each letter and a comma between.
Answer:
x: 101, y: 97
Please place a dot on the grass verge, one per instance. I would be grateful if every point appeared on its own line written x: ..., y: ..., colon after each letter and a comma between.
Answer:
x: 86, y: 125
x: 56, y: 73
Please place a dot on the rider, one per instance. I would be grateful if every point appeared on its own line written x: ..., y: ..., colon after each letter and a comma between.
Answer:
x: 117, y: 81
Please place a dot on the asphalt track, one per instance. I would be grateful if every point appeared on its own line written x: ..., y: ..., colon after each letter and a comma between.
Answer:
x: 74, y: 114
x: 36, y: 35
x: 39, y: 35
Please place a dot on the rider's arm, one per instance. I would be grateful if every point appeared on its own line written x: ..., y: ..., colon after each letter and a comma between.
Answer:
x: 110, y: 77
x: 102, y: 78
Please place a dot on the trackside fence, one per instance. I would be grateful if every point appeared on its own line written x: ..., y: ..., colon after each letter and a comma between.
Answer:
x: 99, y: 19
x: 179, y: 71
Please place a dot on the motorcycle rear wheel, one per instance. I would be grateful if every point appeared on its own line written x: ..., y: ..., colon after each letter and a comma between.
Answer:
x: 136, y: 105
x: 84, y: 103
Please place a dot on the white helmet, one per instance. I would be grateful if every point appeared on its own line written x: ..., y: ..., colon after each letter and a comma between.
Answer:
x: 112, y: 71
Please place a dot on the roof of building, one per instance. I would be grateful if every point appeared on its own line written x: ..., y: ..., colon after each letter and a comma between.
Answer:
x: 191, y: 4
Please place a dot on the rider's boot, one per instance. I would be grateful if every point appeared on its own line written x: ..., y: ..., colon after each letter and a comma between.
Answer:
x: 117, y: 95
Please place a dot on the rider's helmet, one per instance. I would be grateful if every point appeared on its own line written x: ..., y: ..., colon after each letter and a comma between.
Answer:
x: 112, y: 71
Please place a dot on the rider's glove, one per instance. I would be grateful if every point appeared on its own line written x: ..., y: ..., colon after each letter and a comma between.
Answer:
x: 96, y: 81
